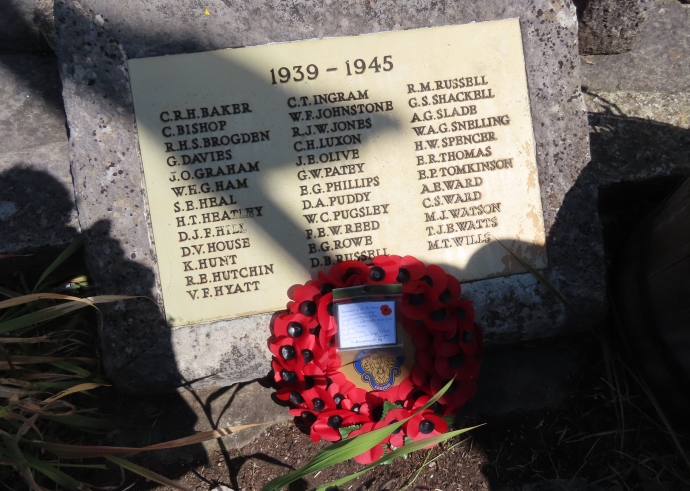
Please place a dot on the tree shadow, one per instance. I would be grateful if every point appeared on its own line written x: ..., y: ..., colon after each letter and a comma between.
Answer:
x: 534, y: 399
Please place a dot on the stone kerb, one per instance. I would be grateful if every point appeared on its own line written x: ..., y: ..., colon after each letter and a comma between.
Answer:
x: 95, y: 38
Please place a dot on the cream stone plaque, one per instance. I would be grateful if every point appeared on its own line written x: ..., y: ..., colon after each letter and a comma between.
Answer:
x: 266, y: 164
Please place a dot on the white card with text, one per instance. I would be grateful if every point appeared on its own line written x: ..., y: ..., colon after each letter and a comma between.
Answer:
x: 364, y: 324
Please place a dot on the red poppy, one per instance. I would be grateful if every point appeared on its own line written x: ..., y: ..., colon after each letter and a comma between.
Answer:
x: 293, y: 325
x: 447, y: 347
x: 306, y: 299
x: 425, y: 425
x: 436, y: 407
x: 326, y: 312
x: 415, y: 304
x: 386, y: 310
x: 460, y: 365
x: 340, y: 382
x: 436, y: 278
x: 458, y: 394
x: 464, y: 313
x: 420, y: 378
x: 329, y: 422
x: 401, y: 391
x: 348, y: 273
x: 414, y: 269
x: 397, y: 439
x: 371, y: 455
x: 442, y: 319
x: 388, y: 272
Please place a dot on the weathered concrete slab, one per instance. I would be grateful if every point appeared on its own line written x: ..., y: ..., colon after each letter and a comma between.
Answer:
x: 36, y: 195
x: 182, y: 413
x: 96, y: 37
x: 639, y: 102
x: 658, y: 61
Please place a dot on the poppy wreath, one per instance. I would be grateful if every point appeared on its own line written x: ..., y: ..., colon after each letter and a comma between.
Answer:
x: 447, y: 342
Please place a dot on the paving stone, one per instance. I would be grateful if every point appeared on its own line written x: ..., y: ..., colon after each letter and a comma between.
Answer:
x: 183, y: 412
x: 96, y: 37
x: 37, y: 208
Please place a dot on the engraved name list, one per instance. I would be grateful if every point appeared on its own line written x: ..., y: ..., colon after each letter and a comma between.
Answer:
x: 267, y: 164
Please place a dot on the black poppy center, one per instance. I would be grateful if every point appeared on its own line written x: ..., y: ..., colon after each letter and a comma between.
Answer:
x: 287, y: 352
x: 326, y: 288
x: 338, y: 399
x: 377, y: 414
x: 416, y: 299
x: 348, y: 273
x: 445, y: 297
x: 295, y: 329
x: 396, y: 431
x: 436, y: 407
x: 335, y: 421
x: 308, y: 416
x: 329, y: 309
x: 308, y: 308
x: 355, y: 408
x: 461, y: 313
x: 467, y: 336
x: 456, y: 361
x: 453, y: 387
x: 438, y: 315
x: 296, y: 398
x: 308, y: 355
x: 377, y: 273
x: 288, y: 376
x: 403, y: 275
x: 308, y: 382
x: 427, y: 279
x: 318, y: 404
x: 426, y: 427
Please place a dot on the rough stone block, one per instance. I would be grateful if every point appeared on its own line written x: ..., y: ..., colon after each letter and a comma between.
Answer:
x: 609, y: 27
x: 96, y: 37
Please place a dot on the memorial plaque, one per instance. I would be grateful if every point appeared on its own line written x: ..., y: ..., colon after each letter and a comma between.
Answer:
x: 266, y: 164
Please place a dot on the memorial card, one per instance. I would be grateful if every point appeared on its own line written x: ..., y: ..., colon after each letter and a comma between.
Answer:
x: 265, y: 165
x: 366, y: 324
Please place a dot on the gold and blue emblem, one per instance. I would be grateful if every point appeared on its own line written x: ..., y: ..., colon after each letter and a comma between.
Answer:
x: 378, y: 367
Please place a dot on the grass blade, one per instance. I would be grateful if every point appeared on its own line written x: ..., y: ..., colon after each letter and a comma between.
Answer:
x: 37, y: 339
x: 56, y: 475
x: 347, y: 449
x: 66, y: 451
x: 150, y: 475
x: 71, y: 249
x: 77, y: 388
x: 33, y: 297
x: 58, y: 310
x: 10, y: 362
x: 540, y: 277
x: 39, y: 316
x: 411, y: 447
